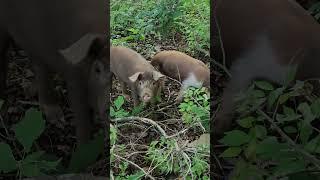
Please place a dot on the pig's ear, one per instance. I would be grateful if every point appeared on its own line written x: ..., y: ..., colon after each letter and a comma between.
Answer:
x: 136, y: 76
x: 157, y: 75
x: 79, y: 50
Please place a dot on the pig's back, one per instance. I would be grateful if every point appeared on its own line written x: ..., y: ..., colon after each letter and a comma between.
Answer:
x: 124, y: 62
x: 173, y: 63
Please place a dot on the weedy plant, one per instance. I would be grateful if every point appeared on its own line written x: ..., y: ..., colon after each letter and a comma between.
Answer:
x: 140, y: 21
x: 31, y: 161
x: 166, y: 155
x: 278, y: 136
x: 196, y: 106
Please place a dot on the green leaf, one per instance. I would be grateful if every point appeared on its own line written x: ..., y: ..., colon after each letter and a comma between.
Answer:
x: 290, y: 166
x: 246, y: 122
x: 85, y: 154
x: 315, y: 107
x: 29, y: 128
x: 112, y: 112
x: 30, y: 170
x: 258, y: 94
x: 136, y: 110
x: 313, y: 146
x: 261, y: 131
x: 305, y: 109
x: 33, y: 157
x: 291, y: 73
x: 231, y: 152
x: 49, y: 165
x: 136, y: 176
x: 7, y: 161
x: 290, y: 129
x: 270, y: 147
x: 305, y: 131
x: 273, y: 96
x: 250, y: 151
x: 284, y: 98
x: 264, y: 85
x: 235, y: 138
x: 119, y: 102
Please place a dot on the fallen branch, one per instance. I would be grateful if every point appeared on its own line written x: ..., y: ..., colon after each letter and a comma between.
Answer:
x: 307, y: 155
x: 134, y: 164
x: 145, y: 120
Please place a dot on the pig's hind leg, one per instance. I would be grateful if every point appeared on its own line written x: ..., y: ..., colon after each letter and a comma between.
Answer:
x: 48, y: 102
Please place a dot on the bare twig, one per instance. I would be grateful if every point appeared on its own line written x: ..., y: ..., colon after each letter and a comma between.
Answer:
x: 307, y: 155
x: 134, y: 164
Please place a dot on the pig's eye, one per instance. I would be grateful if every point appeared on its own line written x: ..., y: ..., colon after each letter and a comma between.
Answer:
x: 140, y: 83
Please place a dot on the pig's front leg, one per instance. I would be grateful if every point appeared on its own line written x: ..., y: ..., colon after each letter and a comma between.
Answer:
x: 124, y: 90
x: 238, y: 83
x: 135, y: 96
x: 4, y: 43
x: 48, y: 103
x: 83, y: 116
x: 181, y: 93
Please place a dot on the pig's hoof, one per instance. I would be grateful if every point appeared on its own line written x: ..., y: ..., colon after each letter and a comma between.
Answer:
x: 53, y: 113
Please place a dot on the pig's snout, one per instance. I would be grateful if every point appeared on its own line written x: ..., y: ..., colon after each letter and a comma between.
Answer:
x: 146, y: 97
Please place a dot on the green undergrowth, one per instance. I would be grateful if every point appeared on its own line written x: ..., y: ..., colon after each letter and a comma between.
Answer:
x: 166, y: 155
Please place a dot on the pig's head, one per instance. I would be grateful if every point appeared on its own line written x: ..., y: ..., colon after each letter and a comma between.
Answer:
x: 91, y: 56
x: 147, y: 84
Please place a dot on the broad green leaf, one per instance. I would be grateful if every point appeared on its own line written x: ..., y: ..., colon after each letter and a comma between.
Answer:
x: 305, y: 109
x: 270, y: 147
x: 290, y: 166
x: 288, y: 111
x: 291, y: 74
x: 231, y: 152
x: 313, y: 145
x: 33, y: 157
x: 136, y: 176
x: 273, y: 96
x: 49, y: 165
x: 258, y: 94
x: 250, y: 151
x: 264, y: 85
x: 284, y: 98
x: 246, y: 122
x: 7, y: 161
x: 305, y: 131
x: 119, y: 102
x: 29, y: 128
x: 112, y: 112
x: 290, y: 129
x: 235, y: 138
x: 261, y: 131
x: 85, y: 154
x: 315, y: 107
x: 30, y: 170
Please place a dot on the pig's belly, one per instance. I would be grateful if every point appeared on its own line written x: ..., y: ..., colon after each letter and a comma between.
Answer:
x: 191, y: 81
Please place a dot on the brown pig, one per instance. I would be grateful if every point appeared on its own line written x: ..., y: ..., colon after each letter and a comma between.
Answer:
x: 64, y: 37
x: 261, y: 40
x: 135, y: 71
x: 177, y: 65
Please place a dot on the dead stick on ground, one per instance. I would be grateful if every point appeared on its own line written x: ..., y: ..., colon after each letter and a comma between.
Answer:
x: 134, y: 164
x: 307, y: 155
